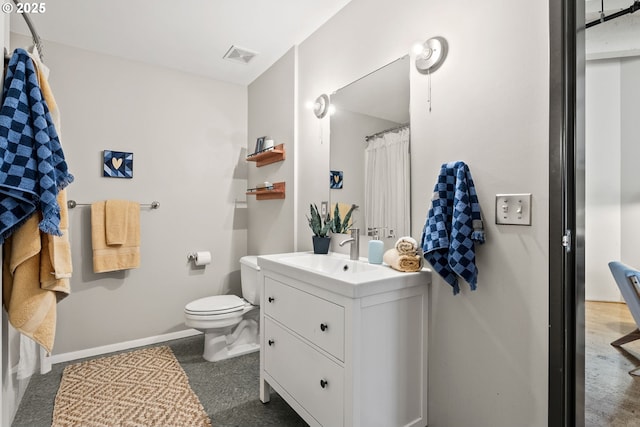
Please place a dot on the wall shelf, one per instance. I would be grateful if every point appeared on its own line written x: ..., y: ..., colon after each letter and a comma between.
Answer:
x: 276, y: 191
x: 266, y: 157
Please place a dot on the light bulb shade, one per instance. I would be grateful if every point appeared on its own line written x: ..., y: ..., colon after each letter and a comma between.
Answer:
x: 433, y: 54
x: 321, y: 106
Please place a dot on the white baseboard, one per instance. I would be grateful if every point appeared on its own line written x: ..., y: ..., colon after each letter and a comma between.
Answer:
x: 126, y: 345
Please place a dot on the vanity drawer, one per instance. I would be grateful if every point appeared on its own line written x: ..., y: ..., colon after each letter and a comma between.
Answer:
x: 315, y: 381
x: 316, y: 319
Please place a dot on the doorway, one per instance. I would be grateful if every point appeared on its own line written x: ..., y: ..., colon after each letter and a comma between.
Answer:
x: 567, y: 214
x: 611, y: 108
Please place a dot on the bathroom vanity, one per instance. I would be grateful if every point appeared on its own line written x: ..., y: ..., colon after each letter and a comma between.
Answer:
x: 344, y: 342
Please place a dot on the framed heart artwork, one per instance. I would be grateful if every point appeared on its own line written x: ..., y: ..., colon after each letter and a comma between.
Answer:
x: 335, y: 182
x: 117, y: 164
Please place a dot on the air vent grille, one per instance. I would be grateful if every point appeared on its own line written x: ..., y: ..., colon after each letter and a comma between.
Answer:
x: 239, y: 54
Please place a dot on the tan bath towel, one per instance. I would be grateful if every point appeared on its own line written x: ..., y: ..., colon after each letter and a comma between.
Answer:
x: 404, y: 263
x: 43, y: 75
x: 116, y: 213
x: 56, y: 250
x: 26, y: 271
x: 116, y: 257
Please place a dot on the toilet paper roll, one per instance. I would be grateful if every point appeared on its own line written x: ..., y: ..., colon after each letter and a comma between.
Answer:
x: 203, y: 258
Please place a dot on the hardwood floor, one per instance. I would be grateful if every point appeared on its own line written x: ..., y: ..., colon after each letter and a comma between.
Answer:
x: 612, y: 394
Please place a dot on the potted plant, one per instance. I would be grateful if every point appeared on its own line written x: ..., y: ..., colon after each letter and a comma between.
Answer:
x: 340, y: 229
x: 320, y: 230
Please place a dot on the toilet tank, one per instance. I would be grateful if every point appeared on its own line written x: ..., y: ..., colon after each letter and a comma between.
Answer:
x: 249, y: 279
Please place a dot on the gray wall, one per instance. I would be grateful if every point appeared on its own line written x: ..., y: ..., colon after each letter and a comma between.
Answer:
x: 630, y: 153
x: 488, y: 349
x: 603, y: 180
x: 612, y: 191
x: 188, y: 135
x: 271, y: 113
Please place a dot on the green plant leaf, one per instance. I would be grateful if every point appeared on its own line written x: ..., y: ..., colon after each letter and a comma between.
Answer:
x: 340, y: 225
x: 347, y: 217
x: 315, y: 222
x: 337, y: 224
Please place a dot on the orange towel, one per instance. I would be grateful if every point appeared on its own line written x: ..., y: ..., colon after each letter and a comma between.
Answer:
x: 116, y: 257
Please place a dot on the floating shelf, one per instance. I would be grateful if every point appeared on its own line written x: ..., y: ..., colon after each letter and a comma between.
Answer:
x: 266, y: 157
x: 276, y: 191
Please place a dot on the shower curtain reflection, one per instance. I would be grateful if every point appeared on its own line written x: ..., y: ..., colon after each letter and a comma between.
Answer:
x: 387, y: 182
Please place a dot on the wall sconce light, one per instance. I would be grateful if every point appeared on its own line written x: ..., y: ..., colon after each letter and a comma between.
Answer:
x: 321, y: 106
x: 431, y: 54
x: 428, y: 57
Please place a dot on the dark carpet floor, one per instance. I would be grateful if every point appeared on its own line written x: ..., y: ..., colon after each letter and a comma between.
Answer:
x: 228, y: 390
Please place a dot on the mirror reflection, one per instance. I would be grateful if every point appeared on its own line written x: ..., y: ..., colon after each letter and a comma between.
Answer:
x: 370, y: 149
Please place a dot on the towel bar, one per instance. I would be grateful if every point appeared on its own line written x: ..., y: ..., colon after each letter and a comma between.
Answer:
x: 72, y: 204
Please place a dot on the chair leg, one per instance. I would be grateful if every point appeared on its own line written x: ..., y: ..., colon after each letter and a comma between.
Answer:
x: 631, y: 336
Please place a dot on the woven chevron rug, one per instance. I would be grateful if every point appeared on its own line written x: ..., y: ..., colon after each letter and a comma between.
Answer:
x: 140, y: 388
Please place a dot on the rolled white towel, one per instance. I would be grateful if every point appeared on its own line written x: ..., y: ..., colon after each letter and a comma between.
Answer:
x: 407, y: 245
x: 390, y: 256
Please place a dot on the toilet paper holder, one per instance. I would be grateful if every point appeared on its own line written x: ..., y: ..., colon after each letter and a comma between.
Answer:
x: 199, y: 258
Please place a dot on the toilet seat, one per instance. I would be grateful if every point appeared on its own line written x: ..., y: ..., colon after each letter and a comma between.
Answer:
x: 215, y: 305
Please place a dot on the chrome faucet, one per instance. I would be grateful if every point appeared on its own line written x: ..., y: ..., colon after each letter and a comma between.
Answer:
x: 354, y: 252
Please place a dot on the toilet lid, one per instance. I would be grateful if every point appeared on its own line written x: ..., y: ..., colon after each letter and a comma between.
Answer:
x: 218, y: 304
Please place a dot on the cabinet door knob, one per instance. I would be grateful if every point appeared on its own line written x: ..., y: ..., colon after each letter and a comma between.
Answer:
x: 271, y: 342
x: 271, y: 299
x: 324, y: 327
x: 324, y: 383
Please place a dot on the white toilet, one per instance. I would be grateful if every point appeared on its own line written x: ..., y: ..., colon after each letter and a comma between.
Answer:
x: 230, y: 324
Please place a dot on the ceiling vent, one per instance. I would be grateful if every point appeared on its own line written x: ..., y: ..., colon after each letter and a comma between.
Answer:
x: 239, y: 54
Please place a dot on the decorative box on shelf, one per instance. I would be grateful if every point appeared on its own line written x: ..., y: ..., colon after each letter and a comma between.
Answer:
x: 268, y: 155
x: 268, y: 192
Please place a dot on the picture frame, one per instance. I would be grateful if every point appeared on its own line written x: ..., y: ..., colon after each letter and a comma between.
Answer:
x: 260, y: 144
x: 335, y: 180
x: 117, y: 164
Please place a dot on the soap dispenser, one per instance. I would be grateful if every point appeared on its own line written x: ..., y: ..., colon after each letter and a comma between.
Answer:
x: 376, y: 248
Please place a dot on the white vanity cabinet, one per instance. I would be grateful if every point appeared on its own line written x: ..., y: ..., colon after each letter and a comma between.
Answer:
x: 344, y: 357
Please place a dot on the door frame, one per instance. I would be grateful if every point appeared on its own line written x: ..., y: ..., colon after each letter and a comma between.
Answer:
x: 566, y: 202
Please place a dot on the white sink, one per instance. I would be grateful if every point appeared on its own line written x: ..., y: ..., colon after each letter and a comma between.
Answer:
x: 337, y: 273
x: 329, y: 264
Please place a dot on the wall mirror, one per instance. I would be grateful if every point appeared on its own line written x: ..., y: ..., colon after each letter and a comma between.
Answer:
x: 370, y: 149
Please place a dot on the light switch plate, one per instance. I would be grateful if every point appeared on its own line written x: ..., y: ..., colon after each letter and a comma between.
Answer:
x: 514, y: 209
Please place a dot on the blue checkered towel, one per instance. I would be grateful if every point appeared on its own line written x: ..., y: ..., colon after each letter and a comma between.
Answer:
x: 32, y: 165
x: 453, y: 225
